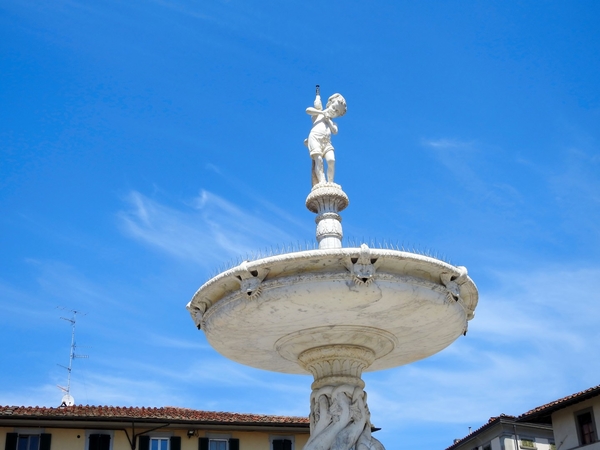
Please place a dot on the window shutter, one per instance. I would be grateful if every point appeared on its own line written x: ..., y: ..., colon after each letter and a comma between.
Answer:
x: 94, y: 442
x: 282, y: 444
x: 203, y: 443
x: 45, y: 440
x: 175, y: 443
x: 104, y: 442
x: 234, y: 444
x: 144, y: 442
x: 11, y: 441
x: 99, y: 442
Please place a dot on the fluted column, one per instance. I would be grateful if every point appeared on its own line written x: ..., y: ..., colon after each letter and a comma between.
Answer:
x: 327, y: 200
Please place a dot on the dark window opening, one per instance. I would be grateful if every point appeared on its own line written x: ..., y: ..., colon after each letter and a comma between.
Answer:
x: 586, y: 428
x: 282, y: 444
x: 28, y: 442
x: 99, y: 442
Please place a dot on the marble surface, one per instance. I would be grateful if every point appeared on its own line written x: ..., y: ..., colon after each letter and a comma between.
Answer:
x: 266, y: 313
x: 319, y: 139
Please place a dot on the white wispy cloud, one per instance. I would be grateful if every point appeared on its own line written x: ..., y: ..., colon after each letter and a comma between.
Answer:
x: 448, y: 144
x: 534, y: 339
x: 189, y: 10
x: 199, y: 380
x: 56, y: 286
x: 44, y: 395
x: 239, y: 20
x: 575, y: 184
x: 65, y: 282
x: 175, y: 343
x: 124, y: 390
x: 18, y: 304
x: 251, y: 193
x: 464, y: 161
x: 207, y: 230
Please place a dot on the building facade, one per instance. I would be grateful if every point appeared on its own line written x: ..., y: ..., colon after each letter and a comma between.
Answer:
x: 169, y: 428
x: 575, y: 419
x: 506, y: 433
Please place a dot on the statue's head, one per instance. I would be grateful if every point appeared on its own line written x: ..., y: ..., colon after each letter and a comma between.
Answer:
x: 338, y: 104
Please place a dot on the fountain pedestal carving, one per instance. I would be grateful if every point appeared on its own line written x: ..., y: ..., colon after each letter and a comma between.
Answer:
x: 339, y: 415
x: 327, y: 200
x: 335, y: 312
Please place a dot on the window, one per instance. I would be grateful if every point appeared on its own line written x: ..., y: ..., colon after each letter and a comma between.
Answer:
x: 282, y: 442
x: 25, y: 441
x: 31, y: 442
x: 159, y: 443
x: 527, y: 443
x: 586, y: 428
x: 218, y: 443
x: 98, y: 440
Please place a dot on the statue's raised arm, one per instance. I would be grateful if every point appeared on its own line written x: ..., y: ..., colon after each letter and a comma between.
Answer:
x: 319, y: 138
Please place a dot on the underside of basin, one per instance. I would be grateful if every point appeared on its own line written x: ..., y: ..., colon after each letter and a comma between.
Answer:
x: 400, y: 306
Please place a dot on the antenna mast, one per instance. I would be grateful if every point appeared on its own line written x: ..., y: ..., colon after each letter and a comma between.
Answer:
x: 67, y: 399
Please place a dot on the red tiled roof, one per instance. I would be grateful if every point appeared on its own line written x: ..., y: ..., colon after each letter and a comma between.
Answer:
x: 167, y: 413
x: 489, y: 423
x: 547, y: 409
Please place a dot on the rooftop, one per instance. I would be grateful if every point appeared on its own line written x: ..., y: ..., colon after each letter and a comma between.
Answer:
x: 168, y: 414
x: 492, y: 421
x: 542, y: 414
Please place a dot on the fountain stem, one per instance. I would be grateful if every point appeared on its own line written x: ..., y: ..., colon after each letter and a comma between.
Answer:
x: 339, y: 415
x: 327, y: 200
x: 337, y: 364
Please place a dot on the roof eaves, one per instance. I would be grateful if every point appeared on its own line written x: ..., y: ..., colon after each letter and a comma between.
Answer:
x: 502, y: 418
x: 148, y: 415
x: 546, y: 410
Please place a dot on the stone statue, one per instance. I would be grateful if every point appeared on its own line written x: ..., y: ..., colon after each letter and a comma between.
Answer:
x: 340, y: 420
x: 319, y: 138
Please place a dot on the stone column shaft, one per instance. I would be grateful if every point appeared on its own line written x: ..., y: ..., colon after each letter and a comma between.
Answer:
x: 327, y: 200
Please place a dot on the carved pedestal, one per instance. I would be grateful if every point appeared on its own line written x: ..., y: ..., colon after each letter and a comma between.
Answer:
x: 327, y: 200
x: 339, y: 415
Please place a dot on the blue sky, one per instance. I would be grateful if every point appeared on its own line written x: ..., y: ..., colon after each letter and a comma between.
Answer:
x: 147, y: 144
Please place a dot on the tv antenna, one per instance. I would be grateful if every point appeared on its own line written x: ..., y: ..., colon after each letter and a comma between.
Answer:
x: 67, y: 399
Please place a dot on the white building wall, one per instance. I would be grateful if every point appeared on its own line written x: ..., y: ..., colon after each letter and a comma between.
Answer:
x: 496, y: 443
x: 565, y: 428
x: 509, y: 443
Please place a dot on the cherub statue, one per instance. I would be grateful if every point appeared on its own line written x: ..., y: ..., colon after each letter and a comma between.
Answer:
x: 319, y: 138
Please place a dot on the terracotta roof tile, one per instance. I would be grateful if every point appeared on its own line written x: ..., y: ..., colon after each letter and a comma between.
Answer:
x: 549, y: 408
x: 164, y: 413
x: 489, y: 423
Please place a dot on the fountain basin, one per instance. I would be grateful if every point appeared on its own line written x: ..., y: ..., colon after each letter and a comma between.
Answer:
x: 399, y: 306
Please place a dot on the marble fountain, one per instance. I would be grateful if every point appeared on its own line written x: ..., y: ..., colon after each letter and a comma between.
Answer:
x: 334, y: 312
